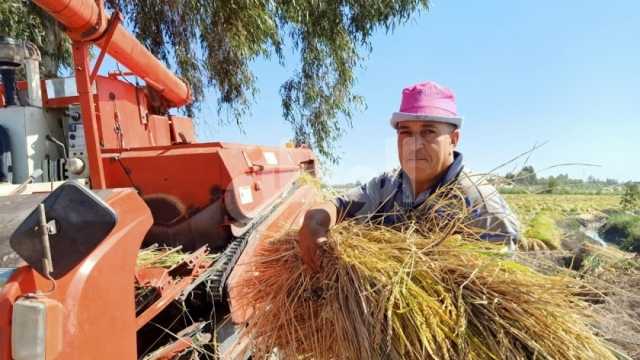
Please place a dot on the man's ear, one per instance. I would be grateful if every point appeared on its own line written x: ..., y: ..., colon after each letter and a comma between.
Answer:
x: 455, y: 137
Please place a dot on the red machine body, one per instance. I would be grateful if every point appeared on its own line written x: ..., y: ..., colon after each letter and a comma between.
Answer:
x: 165, y: 188
x: 102, y: 283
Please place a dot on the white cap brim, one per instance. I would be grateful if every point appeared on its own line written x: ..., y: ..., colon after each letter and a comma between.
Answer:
x: 400, y: 116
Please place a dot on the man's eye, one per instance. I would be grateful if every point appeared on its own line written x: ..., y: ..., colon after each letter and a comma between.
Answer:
x: 404, y: 132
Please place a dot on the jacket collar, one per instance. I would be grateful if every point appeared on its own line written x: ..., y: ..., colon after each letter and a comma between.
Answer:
x: 450, y: 175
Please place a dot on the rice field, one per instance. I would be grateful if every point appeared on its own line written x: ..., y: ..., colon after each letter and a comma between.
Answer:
x: 611, y: 274
x: 542, y: 214
x: 417, y: 291
x: 527, y: 206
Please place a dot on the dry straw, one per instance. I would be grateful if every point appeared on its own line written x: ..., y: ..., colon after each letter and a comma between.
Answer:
x: 164, y: 257
x: 424, y: 289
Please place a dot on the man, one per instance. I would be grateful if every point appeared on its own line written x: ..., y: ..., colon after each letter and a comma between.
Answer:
x: 428, y: 131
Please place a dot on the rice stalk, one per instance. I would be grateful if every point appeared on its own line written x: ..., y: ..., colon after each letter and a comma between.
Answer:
x: 164, y: 257
x: 423, y: 289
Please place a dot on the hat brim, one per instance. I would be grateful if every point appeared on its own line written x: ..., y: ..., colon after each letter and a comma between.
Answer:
x: 401, y: 116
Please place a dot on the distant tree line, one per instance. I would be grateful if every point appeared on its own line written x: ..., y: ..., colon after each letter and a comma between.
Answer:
x: 527, y: 176
x: 527, y: 180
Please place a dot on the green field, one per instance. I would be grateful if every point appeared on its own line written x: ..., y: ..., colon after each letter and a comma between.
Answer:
x: 542, y: 214
x: 555, y: 222
x: 527, y: 206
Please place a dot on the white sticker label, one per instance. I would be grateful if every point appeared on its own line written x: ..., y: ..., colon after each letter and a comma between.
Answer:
x: 245, y: 195
x: 270, y: 158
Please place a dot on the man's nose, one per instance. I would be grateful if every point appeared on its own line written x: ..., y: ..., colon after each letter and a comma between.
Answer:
x: 413, y: 143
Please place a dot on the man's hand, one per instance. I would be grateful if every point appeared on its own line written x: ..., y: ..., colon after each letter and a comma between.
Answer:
x: 314, y: 231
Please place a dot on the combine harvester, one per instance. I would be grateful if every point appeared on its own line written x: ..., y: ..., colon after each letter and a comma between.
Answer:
x: 93, y: 169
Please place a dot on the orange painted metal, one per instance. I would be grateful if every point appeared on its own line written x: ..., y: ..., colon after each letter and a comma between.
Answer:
x: 113, y: 23
x: 125, y: 106
x: 123, y: 112
x: 199, y: 174
x: 182, y: 131
x: 159, y: 130
x: 192, y: 174
x: 131, y: 53
x: 62, y: 103
x: 97, y: 295
x: 85, y: 20
x: 133, y: 143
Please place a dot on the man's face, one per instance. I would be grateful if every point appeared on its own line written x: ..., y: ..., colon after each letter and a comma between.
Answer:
x: 426, y: 148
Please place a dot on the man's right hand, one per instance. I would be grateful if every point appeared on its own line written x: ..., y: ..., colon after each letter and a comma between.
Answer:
x: 314, y: 232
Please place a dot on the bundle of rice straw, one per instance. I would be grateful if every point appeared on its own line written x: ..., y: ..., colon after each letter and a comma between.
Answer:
x: 421, y: 290
x: 606, y: 262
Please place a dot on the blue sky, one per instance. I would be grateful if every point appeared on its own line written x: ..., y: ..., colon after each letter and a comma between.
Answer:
x: 524, y: 72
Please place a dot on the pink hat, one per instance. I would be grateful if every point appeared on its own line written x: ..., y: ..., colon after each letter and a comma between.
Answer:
x: 427, y: 101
